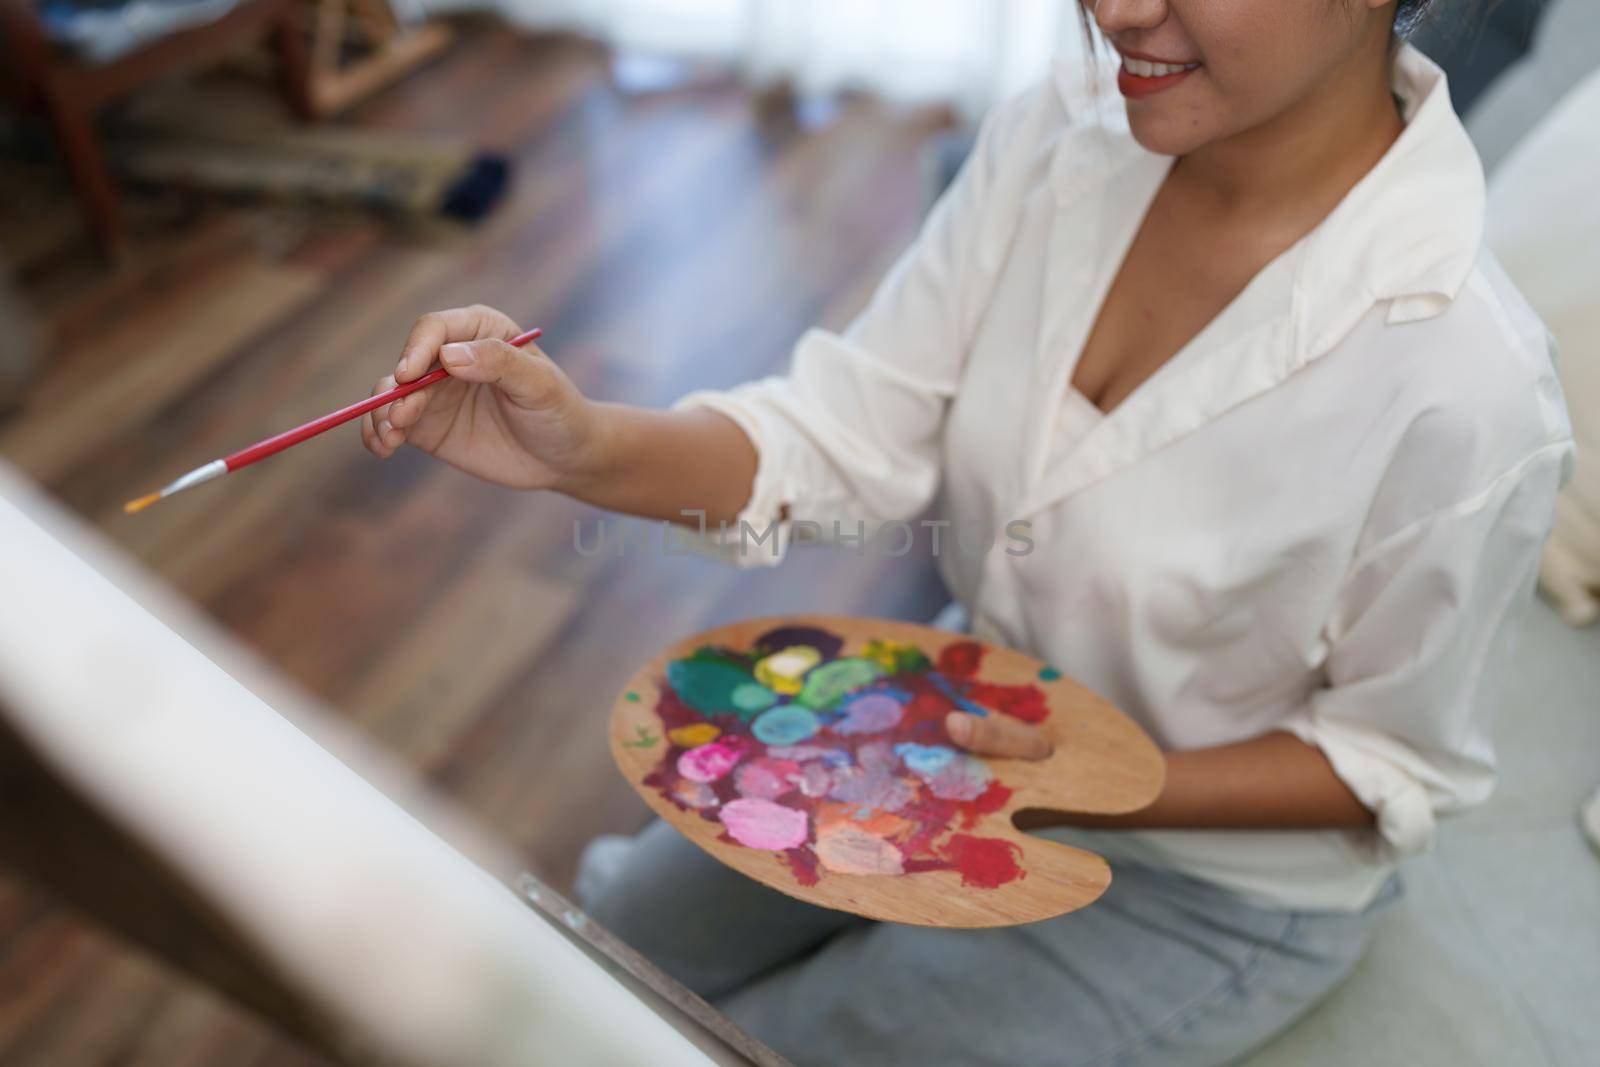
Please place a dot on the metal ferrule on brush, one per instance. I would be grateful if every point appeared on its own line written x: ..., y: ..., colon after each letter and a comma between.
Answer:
x: 200, y: 475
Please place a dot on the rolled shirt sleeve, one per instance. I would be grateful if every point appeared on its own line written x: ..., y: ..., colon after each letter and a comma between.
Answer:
x: 851, y: 434
x: 1419, y: 644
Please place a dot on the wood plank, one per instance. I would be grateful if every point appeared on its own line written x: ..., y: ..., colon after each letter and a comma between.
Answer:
x: 664, y: 241
x: 140, y: 369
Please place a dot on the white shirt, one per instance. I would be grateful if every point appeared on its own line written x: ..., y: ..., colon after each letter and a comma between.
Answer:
x: 1323, y: 515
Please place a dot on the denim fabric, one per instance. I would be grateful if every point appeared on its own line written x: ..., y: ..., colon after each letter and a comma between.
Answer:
x: 1162, y: 970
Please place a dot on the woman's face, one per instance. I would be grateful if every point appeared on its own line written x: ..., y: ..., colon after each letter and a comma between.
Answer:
x: 1198, y: 71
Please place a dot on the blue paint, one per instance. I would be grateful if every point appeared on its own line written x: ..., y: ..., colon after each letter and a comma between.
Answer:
x: 1048, y: 674
x: 955, y: 697
x: 925, y: 759
x: 786, y: 724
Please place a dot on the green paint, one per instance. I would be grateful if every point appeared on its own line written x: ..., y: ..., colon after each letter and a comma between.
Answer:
x: 716, y: 687
x: 752, y: 698
x: 1049, y: 674
x: 827, y: 685
x: 902, y: 659
x: 632, y: 698
x: 715, y: 654
x: 645, y: 739
x: 912, y: 661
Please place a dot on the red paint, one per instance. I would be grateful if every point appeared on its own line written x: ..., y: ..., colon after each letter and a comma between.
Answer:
x: 986, y: 862
x: 927, y: 705
x: 993, y: 799
x: 803, y: 865
x: 961, y: 659
x: 289, y: 438
x: 1025, y: 702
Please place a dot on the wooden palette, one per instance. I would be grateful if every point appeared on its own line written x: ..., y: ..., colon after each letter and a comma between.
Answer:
x: 794, y: 768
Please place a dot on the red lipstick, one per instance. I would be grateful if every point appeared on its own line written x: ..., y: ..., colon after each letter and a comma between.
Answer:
x: 1135, y: 87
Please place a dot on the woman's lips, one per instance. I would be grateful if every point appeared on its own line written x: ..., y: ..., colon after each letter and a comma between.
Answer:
x: 1142, y: 76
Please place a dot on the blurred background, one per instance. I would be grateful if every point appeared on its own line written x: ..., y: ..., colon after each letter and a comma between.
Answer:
x: 219, y: 218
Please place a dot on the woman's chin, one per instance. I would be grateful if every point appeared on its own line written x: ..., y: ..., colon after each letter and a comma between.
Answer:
x: 1166, y: 135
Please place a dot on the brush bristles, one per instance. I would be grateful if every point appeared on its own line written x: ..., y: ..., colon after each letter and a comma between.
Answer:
x: 133, y: 507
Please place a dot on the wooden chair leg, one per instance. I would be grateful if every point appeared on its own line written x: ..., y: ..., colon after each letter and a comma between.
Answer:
x: 80, y: 146
x: 294, y: 65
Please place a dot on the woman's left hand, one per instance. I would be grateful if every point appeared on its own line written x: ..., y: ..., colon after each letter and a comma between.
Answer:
x: 998, y: 736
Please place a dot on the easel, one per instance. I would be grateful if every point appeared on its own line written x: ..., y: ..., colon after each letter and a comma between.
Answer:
x: 390, y: 45
x: 144, y: 784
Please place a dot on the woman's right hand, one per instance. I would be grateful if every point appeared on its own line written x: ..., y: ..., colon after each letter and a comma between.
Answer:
x: 508, y: 415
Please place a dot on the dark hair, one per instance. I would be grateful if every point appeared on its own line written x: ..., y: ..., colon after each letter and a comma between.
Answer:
x: 1410, y: 14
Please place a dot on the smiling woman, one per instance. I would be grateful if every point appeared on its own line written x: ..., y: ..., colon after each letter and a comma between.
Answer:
x: 1287, y: 442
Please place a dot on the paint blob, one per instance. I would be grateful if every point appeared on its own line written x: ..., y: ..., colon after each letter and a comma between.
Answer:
x: 767, y: 778
x: 870, y: 713
x: 896, y: 657
x: 852, y: 850
x: 782, y: 672
x: 926, y: 760
x: 765, y: 825
x: 713, y: 686
x: 814, y: 779
x: 826, y: 685
x: 694, y: 794
x: 987, y: 862
x: 710, y: 762
x: 701, y: 733
x: 786, y: 724
x: 840, y: 764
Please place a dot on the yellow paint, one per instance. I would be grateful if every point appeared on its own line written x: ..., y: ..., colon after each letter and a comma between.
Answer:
x: 701, y: 733
x: 885, y: 653
x: 781, y: 672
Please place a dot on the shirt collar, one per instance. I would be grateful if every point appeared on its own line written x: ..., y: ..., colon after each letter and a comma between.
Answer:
x: 1409, y: 232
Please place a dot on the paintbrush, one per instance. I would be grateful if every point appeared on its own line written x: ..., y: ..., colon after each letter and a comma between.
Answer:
x: 289, y: 438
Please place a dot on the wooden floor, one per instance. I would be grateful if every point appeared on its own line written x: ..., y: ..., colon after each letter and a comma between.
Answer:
x: 664, y: 242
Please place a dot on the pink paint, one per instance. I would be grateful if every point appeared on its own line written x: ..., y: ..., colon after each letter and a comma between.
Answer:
x: 708, y: 763
x: 765, y: 825
x: 814, y: 779
x: 799, y: 753
x: 767, y: 778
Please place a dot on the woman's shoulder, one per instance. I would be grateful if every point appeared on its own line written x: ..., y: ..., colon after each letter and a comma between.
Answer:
x: 1470, y: 397
x: 1488, y: 357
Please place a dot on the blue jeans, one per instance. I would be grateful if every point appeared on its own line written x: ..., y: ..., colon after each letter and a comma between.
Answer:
x: 1162, y: 970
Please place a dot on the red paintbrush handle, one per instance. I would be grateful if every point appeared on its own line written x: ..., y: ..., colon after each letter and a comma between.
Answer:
x: 289, y: 438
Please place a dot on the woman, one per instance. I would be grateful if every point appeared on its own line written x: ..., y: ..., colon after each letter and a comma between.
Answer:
x: 1285, y: 442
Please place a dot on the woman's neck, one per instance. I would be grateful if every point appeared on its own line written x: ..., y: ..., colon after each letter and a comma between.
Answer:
x: 1303, y: 161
